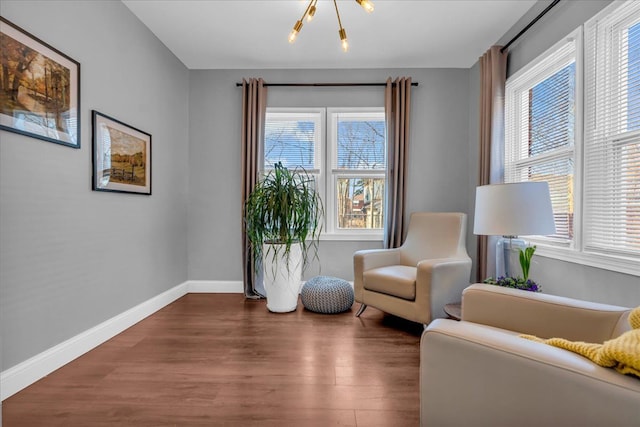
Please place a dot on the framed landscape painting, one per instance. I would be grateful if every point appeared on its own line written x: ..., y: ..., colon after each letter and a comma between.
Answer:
x: 121, y: 156
x: 39, y: 88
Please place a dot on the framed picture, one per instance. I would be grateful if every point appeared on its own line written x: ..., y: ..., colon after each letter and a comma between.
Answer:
x: 39, y: 88
x: 121, y: 156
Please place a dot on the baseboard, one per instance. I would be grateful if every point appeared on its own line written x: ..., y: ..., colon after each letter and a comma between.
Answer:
x: 215, y: 286
x: 31, y: 370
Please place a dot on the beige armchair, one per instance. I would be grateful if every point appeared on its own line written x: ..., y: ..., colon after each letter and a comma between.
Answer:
x: 416, y: 280
x: 480, y: 372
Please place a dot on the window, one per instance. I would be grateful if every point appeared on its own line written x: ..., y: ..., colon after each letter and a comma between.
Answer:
x: 612, y: 133
x: 358, y: 167
x: 348, y: 160
x: 540, y: 131
x: 591, y: 160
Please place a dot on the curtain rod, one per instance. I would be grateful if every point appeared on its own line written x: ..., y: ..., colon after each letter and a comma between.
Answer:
x: 326, y: 84
x: 525, y: 29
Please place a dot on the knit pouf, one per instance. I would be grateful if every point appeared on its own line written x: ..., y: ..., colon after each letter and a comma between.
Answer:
x: 325, y: 294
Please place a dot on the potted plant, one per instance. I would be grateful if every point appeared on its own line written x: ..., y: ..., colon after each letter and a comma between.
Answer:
x: 283, y: 217
x: 523, y: 283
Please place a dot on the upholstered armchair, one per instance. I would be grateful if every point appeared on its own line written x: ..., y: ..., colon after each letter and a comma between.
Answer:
x: 416, y: 280
x: 480, y: 372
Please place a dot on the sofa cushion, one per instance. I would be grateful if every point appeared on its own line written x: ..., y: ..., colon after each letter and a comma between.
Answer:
x: 396, y: 280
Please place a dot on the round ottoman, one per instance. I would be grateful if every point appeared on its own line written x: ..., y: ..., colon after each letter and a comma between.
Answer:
x: 325, y: 294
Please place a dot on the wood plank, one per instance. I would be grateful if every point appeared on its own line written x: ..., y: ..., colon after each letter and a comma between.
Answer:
x: 218, y: 359
x: 374, y: 418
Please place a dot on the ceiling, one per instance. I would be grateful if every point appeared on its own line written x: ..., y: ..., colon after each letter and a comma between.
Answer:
x: 252, y: 34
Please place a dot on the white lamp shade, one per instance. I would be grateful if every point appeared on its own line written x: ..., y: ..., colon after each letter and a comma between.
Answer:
x: 518, y: 209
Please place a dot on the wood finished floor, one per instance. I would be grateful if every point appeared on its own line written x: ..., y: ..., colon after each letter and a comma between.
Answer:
x: 218, y: 360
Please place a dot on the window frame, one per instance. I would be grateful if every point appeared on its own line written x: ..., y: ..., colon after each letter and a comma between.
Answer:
x: 553, y: 60
x: 334, y: 173
x: 325, y: 173
x: 599, y: 255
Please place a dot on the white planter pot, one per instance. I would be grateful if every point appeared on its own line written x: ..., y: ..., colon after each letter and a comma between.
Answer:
x: 282, y: 276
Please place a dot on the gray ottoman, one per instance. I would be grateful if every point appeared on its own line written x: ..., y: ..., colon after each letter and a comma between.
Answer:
x: 325, y: 294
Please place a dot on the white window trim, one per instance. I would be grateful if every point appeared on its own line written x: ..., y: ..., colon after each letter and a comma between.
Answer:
x: 598, y: 260
x: 332, y: 231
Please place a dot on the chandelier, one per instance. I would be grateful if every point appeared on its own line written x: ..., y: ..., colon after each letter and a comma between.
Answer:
x: 311, y: 11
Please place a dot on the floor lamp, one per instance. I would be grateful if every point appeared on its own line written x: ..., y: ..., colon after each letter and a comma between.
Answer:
x: 512, y: 210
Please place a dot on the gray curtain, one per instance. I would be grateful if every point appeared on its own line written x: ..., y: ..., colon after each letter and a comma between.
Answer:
x: 254, y: 107
x: 493, y: 74
x: 397, y: 106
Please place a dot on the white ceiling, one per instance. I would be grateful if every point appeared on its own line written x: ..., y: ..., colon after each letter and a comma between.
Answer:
x: 252, y: 34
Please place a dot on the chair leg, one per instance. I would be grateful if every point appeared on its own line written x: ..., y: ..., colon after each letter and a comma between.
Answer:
x: 361, y: 310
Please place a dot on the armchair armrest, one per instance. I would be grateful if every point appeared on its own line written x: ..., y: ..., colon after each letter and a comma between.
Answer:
x: 441, y: 281
x: 543, y: 315
x: 472, y: 374
x: 374, y: 258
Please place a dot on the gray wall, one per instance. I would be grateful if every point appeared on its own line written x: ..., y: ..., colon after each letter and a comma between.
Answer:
x: 70, y: 257
x: 438, y: 170
x: 559, y: 277
x: 565, y: 17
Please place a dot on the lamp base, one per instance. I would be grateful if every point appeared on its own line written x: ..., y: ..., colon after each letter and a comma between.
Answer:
x: 508, y: 256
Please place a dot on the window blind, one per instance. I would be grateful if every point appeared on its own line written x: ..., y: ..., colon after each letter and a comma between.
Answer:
x: 293, y: 139
x: 612, y: 133
x: 540, y: 131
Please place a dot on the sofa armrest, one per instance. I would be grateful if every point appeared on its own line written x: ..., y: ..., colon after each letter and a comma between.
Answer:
x: 543, y: 315
x: 472, y: 374
x: 441, y: 281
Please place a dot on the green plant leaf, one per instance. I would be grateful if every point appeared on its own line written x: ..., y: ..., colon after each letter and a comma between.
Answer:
x: 284, y: 208
x: 525, y: 260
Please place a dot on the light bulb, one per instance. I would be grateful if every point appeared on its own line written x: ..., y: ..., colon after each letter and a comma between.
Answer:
x: 294, y: 32
x: 292, y: 36
x: 366, y: 4
x: 311, y: 14
x: 343, y: 39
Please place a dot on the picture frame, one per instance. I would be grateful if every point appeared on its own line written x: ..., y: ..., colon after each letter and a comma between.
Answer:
x: 39, y: 88
x: 121, y: 156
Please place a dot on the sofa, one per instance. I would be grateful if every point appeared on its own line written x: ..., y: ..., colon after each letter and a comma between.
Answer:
x: 480, y: 372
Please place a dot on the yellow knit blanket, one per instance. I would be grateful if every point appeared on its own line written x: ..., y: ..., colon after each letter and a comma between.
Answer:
x: 622, y: 353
